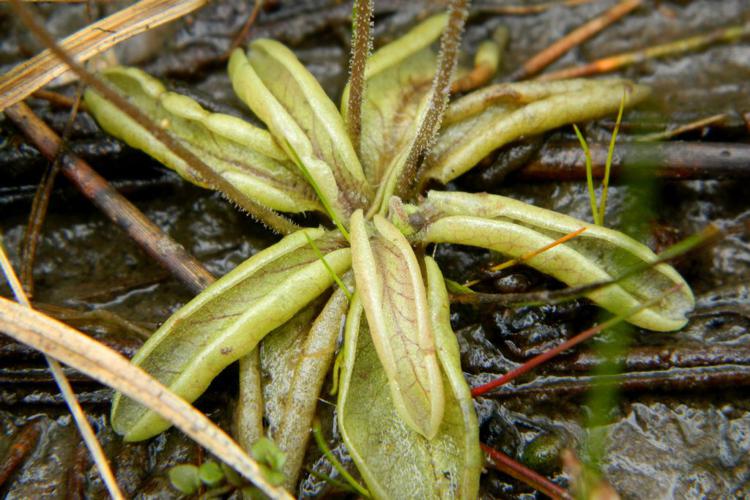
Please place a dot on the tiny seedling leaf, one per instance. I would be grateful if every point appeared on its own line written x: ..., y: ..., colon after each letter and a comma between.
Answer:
x: 185, y: 478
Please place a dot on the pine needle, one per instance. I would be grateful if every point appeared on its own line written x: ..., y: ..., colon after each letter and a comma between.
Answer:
x: 89, y: 437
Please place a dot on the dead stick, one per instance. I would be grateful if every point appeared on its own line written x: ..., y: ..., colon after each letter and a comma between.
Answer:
x: 564, y: 161
x: 166, y: 251
x: 23, y: 443
x: 522, y: 10
x: 56, y: 99
x: 675, y: 379
x: 576, y: 37
x: 271, y: 218
x: 504, y: 463
x: 40, y: 204
x: 612, y: 63
x: 698, y: 124
x: 549, y: 354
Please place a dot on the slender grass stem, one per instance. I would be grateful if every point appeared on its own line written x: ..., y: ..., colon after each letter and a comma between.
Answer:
x: 589, y: 175
x: 581, y: 337
x: 89, y: 437
x: 321, y: 442
x: 528, y: 255
x: 335, y: 276
x: 608, y: 164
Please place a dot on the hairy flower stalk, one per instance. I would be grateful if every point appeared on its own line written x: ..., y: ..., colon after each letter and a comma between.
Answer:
x: 400, y: 380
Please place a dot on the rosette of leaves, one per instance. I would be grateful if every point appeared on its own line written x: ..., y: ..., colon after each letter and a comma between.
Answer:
x: 404, y: 408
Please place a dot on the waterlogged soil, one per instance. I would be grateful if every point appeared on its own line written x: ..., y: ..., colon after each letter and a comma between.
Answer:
x: 673, y: 418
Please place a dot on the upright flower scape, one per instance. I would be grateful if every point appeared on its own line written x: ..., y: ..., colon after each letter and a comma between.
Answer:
x: 404, y: 409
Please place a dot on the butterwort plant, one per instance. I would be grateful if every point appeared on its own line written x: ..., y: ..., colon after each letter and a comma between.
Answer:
x: 404, y: 409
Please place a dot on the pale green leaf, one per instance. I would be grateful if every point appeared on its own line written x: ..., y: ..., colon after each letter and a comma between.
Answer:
x: 245, y: 155
x: 487, y: 119
x: 390, y: 285
x: 282, y: 93
x: 398, y: 81
x: 450, y: 361
x: 598, y: 254
x: 295, y: 360
x: 285, y: 386
x: 247, y: 421
x: 228, y: 319
x: 394, y: 460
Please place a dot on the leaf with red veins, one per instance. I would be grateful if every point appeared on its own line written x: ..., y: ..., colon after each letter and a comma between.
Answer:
x: 394, y: 460
x: 390, y: 284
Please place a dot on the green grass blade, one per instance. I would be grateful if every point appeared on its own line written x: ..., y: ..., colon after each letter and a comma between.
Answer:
x: 608, y: 165
x: 321, y: 442
x: 333, y: 274
x: 325, y: 201
x: 589, y: 175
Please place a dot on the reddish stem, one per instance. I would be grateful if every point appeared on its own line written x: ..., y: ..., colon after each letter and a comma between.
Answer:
x: 507, y: 465
x: 546, y: 356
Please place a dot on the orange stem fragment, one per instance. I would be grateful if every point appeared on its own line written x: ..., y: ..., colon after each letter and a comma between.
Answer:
x: 576, y: 37
x: 528, y: 255
x: 612, y: 63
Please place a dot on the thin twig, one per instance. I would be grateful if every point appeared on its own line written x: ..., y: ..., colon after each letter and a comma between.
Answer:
x: 522, y: 10
x: 611, y: 63
x: 576, y: 37
x: 22, y: 444
x: 56, y: 98
x: 688, y: 127
x: 272, y: 219
x: 40, y: 204
x: 156, y: 243
x: 698, y: 378
x: 89, y: 437
x: 564, y: 161
x: 95, y: 38
x: 245, y: 31
x: 504, y: 463
x: 361, y: 46
x: 555, y: 351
